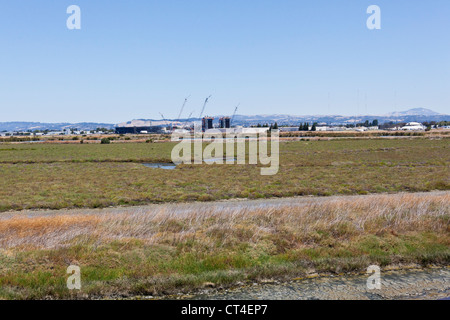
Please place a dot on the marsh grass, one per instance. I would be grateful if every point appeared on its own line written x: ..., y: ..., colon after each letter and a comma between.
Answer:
x: 93, y: 175
x: 166, y: 249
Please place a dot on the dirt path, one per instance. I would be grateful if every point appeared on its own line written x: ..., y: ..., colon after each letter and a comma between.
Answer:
x: 225, y: 204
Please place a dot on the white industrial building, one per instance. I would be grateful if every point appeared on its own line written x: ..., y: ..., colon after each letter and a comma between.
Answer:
x: 413, y: 126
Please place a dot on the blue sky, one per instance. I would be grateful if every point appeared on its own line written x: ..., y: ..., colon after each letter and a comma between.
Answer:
x: 134, y: 59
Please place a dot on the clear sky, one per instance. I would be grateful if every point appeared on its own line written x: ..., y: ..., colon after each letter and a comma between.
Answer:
x: 134, y: 59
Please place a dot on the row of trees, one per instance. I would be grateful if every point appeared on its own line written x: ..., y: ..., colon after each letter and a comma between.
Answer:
x: 436, y: 124
x: 266, y: 125
x: 305, y: 126
x: 366, y: 124
x: 375, y: 123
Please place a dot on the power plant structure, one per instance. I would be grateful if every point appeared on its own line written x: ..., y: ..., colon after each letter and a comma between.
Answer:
x: 225, y: 123
x: 207, y: 123
x: 167, y: 126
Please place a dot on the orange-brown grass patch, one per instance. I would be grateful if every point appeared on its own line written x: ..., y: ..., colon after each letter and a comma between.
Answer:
x: 45, y: 232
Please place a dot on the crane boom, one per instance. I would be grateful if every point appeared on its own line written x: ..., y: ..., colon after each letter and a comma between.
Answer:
x: 204, y: 106
x: 162, y: 116
x: 182, y: 108
x: 234, y: 114
x: 189, y: 117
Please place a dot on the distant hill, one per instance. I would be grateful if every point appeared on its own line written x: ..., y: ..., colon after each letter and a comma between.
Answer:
x: 414, y: 112
x: 24, y: 126
x: 417, y: 114
x: 145, y: 123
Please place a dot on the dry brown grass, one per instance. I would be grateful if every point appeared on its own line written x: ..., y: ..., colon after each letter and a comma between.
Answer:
x: 162, y: 249
x: 44, y: 232
x: 295, y: 221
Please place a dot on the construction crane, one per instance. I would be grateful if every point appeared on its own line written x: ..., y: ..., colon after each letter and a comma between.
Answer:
x: 187, y: 119
x: 167, y: 123
x: 234, y: 114
x: 182, y: 108
x: 204, y: 106
x: 189, y: 116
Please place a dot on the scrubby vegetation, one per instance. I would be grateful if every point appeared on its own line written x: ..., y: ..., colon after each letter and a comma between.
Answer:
x: 94, y: 175
x: 177, y: 248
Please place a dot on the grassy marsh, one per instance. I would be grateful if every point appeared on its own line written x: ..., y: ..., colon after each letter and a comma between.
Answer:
x: 53, y: 176
x: 161, y: 250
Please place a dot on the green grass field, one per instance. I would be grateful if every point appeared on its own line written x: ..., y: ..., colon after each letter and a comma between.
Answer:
x: 93, y: 175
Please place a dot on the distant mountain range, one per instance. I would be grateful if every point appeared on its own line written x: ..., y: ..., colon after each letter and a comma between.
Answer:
x: 25, y: 126
x: 417, y: 114
x: 414, y: 112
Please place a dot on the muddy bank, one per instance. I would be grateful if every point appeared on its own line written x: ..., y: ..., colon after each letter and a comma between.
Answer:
x: 416, y: 283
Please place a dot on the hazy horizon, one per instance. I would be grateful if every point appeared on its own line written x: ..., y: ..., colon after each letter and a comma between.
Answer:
x: 238, y: 114
x: 135, y: 60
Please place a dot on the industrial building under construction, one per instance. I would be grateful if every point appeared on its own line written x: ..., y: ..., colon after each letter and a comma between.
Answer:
x: 225, y: 123
x: 138, y: 130
x: 207, y: 123
x: 146, y: 126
